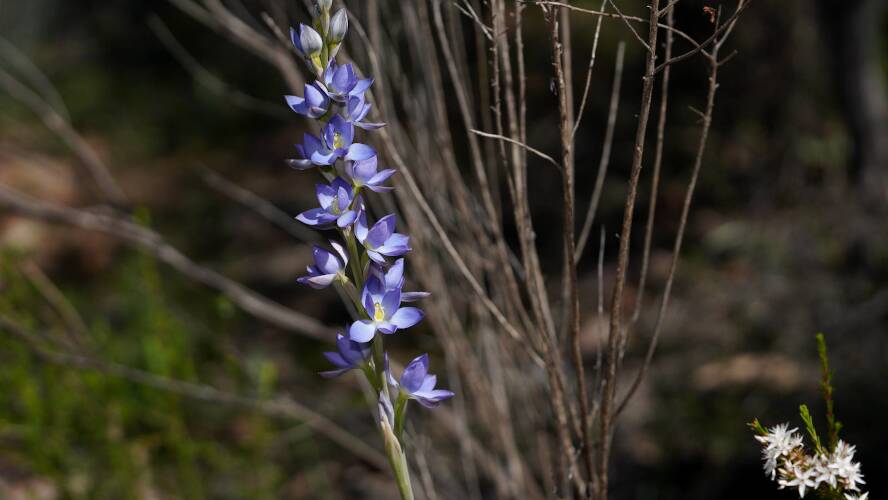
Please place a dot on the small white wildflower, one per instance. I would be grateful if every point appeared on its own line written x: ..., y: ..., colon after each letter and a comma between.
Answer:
x: 850, y: 496
x: 823, y: 472
x: 842, y: 462
x: 843, y: 455
x: 781, y: 438
x: 852, y: 476
x: 770, y: 457
x: 800, y: 478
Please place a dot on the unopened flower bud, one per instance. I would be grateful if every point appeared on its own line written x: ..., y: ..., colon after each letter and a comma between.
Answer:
x: 338, y: 27
x: 310, y: 41
x: 325, y: 4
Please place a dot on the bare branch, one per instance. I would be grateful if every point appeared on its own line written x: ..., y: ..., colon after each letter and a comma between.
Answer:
x: 644, y: 44
x: 531, y: 149
x: 726, y: 27
x: 148, y: 240
x: 604, y: 161
x: 95, y: 167
x: 588, y: 83
x: 676, y: 250
x: 257, y: 204
x: 655, y: 178
x: 209, y: 80
x: 615, y: 330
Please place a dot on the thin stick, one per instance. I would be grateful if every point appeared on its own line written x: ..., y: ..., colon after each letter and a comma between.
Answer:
x: 75, y: 325
x: 676, y: 250
x: 561, y: 59
x: 604, y: 160
x: 655, y: 178
x: 588, y: 83
x: 148, y: 240
x: 531, y: 149
x: 452, y: 251
x: 644, y: 44
x: 257, y: 204
x: 724, y: 28
x: 615, y: 330
x: 95, y: 167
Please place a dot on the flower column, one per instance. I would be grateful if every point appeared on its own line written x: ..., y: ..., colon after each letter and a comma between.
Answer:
x: 361, y: 267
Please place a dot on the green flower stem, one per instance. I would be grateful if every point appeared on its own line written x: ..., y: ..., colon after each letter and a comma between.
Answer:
x: 400, y: 414
x: 398, y: 460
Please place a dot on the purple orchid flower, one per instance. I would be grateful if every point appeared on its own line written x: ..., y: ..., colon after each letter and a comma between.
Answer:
x: 364, y: 173
x: 351, y: 356
x: 416, y: 383
x: 338, y: 137
x: 342, y: 82
x: 393, y: 278
x: 335, y: 200
x: 381, y: 239
x: 309, y: 146
x: 314, y: 104
x: 328, y: 267
x: 357, y: 110
x: 385, y: 312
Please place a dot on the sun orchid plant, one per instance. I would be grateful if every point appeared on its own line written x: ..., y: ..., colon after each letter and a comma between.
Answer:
x: 369, y: 265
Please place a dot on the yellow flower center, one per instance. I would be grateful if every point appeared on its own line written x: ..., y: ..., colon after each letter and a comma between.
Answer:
x: 378, y: 312
x: 338, y: 143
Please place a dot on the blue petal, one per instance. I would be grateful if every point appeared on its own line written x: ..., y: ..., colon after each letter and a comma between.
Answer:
x: 375, y: 256
x: 369, y: 125
x: 413, y: 296
x: 337, y: 359
x: 390, y: 302
x: 323, y: 157
x: 315, y: 217
x: 361, y: 86
x: 432, y: 399
x: 394, y: 277
x: 362, y: 331
x: 318, y: 282
x: 346, y: 219
x: 361, y: 227
x: 406, y: 317
x: 414, y: 373
x: 359, y: 151
x: 296, y: 103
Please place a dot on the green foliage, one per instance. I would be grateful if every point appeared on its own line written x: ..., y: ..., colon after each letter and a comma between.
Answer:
x: 757, y: 427
x: 809, y: 426
x: 100, y: 437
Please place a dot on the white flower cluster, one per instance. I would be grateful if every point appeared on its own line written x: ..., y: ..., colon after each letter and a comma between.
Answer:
x: 787, y: 462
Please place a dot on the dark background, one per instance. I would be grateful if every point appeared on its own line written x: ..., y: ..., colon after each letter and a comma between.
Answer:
x: 787, y: 238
